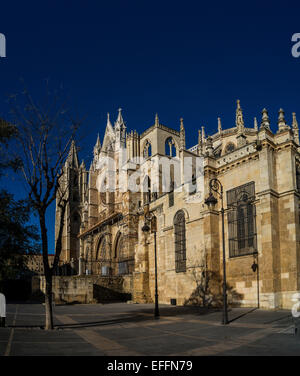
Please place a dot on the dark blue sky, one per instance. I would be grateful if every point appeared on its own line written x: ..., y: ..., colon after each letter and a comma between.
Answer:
x: 187, y: 59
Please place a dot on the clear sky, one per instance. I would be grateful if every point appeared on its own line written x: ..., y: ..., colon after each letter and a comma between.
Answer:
x: 189, y: 59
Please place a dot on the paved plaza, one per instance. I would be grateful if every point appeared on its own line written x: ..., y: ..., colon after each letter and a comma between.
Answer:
x: 122, y: 329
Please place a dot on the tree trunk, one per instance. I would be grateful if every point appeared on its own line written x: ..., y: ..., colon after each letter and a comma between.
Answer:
x: 58, y: 245
x: 48, y: 273
x: 48, y: 302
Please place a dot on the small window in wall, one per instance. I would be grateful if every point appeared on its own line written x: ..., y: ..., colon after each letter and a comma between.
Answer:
x: 242, y: 220
x: 170, y: 148
x: 123, y: 268
x: 147, y: 152
x: 180, y: 242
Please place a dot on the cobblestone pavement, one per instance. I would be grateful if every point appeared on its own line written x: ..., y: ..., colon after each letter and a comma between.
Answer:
x: 130, y: 329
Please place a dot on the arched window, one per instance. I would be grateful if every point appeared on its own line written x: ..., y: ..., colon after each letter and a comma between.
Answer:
x: 147, y: 152
x: 121, y: 256
x: 170, y: 148
x: 103, y: 259
x: 242, y: 220
x: 180, y: 242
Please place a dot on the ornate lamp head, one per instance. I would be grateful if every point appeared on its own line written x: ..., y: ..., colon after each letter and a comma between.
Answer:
x: 145, y: 228
x: 211, y: 201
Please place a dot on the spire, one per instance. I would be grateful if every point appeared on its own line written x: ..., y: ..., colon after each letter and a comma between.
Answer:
x: 294, y: 123
x: 239, y: 120
x: 200, y: 143
x: 219, y: 125
x: 109, y: 127
x: 182, y: 135
x: 281, y: 120
x: 255, y: 124
x: 265, y: 121
x: 120, y: 120
x: 109, y: 136
x: 82, y: 165
x: 120, y: 130
x: 97, y: 147
x: 156, y: 120
x: 295, y: 128
x: 108, y: 120
x: 98, y: 141
x: 209, y: 146
x: 203, y: 134
x: 72, y: 156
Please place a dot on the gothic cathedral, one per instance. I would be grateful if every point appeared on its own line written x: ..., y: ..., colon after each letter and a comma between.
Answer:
x: 249, y: 172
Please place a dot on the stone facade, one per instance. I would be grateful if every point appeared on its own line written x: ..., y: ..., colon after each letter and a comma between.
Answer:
x: 82, y: 289
x: 34, y: 264
x: 259, y: 172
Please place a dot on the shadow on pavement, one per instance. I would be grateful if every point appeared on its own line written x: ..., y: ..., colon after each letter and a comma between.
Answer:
x: 141, y: 314
x: 242, y: 315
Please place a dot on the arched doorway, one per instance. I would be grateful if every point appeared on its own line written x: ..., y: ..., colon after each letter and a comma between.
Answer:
x: 102, y: 264
x: 124, y: 262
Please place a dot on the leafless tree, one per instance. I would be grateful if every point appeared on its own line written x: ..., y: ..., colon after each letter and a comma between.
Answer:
x: 202, y: 295
x: 208, y: 292
x: 45, y: 132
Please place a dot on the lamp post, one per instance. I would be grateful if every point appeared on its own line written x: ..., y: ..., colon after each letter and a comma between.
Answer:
x: 211, y: 201
x: 153, y: 221
x: 254, y: 267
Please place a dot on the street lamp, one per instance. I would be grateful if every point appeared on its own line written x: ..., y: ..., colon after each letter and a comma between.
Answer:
x: 153, y: 222
x: 211, y: 201
x: 254, y: 267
